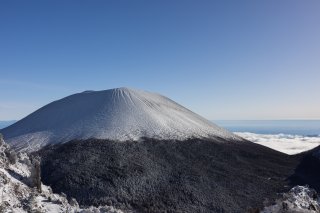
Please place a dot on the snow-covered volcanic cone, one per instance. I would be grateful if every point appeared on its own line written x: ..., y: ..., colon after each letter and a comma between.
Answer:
x: 116, y: 114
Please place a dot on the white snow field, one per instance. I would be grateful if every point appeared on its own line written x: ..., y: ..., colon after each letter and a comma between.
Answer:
x: 117, y: 114
x: 289, y: 144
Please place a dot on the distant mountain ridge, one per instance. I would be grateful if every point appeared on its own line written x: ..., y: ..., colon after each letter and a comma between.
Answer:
x: 116, y: 114
x: 4, y: 124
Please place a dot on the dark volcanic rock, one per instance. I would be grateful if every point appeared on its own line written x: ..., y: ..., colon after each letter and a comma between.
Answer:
x: 308, y: 171
x: 168, y: 176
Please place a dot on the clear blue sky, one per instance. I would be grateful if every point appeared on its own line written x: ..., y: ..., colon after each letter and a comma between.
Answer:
x: 222, y: 59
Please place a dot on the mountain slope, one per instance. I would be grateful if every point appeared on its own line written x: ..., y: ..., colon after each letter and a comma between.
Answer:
x: 17, y: 194
x: 4, y: 124
x: 196, y: 175
x: 116, y: 114
x: 308, y: 170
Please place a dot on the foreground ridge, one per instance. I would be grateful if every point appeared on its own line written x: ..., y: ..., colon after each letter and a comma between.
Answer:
x: 18, y: 194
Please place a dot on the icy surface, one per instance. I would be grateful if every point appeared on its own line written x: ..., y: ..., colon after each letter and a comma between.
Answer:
x: 116, y: 114
x: 289, y: 144
x: 300, y: 199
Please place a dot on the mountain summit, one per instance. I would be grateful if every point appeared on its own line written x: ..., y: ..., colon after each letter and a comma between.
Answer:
x: 116, y: 114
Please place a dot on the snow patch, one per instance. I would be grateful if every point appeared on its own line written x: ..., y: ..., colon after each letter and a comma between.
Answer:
x: 299, y: 199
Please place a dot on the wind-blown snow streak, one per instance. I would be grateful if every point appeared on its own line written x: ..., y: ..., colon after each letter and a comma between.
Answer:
x: 116, y: 114
x: 290, y: 144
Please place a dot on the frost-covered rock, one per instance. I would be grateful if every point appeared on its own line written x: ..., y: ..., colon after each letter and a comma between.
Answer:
x: 3, y: 150
x: 17, y: 196
x: 1, y: 140
x: 300, y: 199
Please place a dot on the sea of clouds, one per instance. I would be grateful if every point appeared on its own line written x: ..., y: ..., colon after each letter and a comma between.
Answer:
x: 286, y: 143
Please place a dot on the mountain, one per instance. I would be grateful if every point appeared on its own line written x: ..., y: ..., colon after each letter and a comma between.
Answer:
x: 150, y: 175
x: 142, y: 152
x: 4, y: 124
x: 116, y: 114
x: 185, y: 194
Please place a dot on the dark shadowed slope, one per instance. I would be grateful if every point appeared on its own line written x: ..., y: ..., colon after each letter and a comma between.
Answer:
x: 4, y: 124
x: 308, y: 170
x: 166, y: 175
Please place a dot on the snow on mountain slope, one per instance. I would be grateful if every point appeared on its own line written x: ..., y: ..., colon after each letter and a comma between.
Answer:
x: 116, y: 114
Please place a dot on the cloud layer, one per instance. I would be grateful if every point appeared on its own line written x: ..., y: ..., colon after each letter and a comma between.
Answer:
x: 290, y: 144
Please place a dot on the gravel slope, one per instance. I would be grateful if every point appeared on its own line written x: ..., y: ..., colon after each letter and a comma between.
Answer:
x: 165, y: 175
